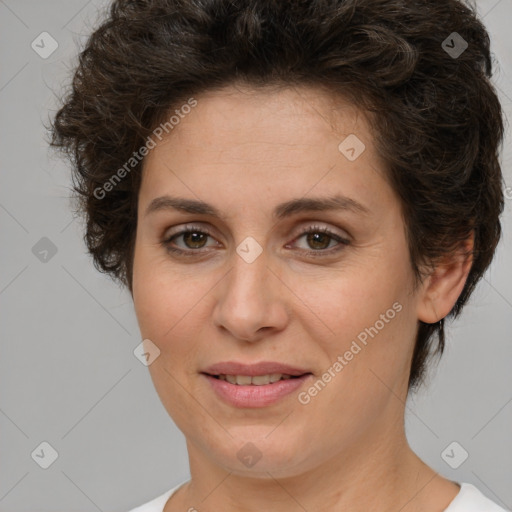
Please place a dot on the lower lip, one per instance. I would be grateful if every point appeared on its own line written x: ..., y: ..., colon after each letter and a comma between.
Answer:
x: 252, y: 395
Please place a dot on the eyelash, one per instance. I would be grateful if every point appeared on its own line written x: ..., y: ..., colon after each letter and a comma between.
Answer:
x: 310, y: 229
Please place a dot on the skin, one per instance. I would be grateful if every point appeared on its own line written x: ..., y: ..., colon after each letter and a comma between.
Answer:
x: 244, y: 151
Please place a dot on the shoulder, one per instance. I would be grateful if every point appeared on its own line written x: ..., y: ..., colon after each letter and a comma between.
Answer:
x: 470, y: 499
x: 156, y: 504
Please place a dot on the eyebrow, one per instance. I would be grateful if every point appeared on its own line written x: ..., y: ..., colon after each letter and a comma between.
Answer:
x: 281, y: 211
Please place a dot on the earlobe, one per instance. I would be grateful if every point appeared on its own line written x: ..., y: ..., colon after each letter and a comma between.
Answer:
x: 443, y: 286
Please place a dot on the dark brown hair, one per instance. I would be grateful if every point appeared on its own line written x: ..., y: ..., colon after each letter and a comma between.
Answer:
x: 437, y: 119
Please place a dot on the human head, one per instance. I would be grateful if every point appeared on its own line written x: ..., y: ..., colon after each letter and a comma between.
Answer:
x: 437, y: 122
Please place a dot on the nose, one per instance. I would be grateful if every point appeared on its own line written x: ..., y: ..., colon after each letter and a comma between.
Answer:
x: 250, y: 300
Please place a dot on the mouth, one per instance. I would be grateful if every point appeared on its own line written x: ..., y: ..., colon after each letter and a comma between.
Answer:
x: 255, y: 380
x: 252, y: 391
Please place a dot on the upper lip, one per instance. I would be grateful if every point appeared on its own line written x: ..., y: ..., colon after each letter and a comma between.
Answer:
x: 251, y: 370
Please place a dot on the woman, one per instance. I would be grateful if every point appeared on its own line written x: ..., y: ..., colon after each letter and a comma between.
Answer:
x: 296, y: 194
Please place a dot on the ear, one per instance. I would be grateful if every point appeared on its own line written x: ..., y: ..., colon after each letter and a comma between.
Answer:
x: 443, y: 286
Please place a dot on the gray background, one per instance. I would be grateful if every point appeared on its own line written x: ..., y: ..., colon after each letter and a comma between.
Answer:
x: 68, y: 373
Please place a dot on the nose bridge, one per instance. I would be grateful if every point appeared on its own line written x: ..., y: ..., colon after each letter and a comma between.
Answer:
x: 248, y: 281
x: 247, y: 300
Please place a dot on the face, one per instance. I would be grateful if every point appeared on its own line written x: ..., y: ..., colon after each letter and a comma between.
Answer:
x: 268, y: 274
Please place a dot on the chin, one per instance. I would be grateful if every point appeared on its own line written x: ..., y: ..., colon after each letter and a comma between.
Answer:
x: 257, y: 454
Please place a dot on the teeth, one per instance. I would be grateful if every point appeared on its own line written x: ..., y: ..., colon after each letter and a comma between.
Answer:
x: 243, y: 380
x: 257, y: 380
x: 230, y: 378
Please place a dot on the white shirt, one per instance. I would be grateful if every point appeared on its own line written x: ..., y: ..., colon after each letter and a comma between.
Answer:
x: 469, y: 499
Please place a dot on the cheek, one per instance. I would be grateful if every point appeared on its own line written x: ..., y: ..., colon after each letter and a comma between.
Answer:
x: 152, y: 297
x: 166, y: 315
x: 170, y: 308
x: 159, y: 306
x: 347, y: 302
x: 368, y: 319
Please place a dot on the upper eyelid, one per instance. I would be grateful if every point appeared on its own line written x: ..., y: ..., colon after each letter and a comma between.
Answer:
x: 180, y: 230
x: 309, y: 225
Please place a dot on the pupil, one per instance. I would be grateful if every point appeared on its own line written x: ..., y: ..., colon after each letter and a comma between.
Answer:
x: 196, y: 237
x: 313, y: 238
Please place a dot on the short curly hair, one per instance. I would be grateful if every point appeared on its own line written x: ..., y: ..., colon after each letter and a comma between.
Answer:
x: 422, y: 68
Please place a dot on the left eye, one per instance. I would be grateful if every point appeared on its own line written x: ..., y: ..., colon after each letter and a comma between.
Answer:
x: 320, y: 238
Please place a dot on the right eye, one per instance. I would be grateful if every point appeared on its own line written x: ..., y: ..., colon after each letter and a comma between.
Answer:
x: 193, y: 237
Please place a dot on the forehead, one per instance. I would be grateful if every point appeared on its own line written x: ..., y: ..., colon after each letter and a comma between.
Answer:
x: 298, y: 114
x: 238, y: 117
x: 263, y: 138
